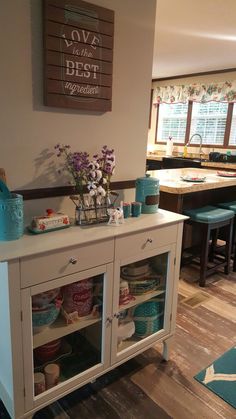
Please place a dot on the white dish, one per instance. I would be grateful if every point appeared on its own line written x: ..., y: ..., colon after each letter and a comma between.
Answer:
x: 226, y: 174
x: 193, y: 179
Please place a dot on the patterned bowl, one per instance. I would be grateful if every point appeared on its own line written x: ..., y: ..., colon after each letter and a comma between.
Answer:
x: 45, y: 316
x: 44, y: 298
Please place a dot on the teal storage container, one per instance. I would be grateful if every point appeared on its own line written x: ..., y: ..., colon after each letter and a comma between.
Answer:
x: 148, y: 318
x: 147, y: 192
x: 11, y: 217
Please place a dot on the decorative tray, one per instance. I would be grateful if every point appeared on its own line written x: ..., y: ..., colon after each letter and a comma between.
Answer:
x: 193, y: 178
x: 226, y: 174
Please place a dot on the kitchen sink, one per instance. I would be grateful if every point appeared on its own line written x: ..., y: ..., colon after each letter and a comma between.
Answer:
x: 189, y: 158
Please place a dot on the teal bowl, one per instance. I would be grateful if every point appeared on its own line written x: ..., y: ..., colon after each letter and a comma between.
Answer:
x: 45, y: 316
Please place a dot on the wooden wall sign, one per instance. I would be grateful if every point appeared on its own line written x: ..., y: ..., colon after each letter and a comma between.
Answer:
x: 78, y: 55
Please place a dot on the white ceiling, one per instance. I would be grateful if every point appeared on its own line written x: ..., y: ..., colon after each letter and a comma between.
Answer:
x: 194, y: 36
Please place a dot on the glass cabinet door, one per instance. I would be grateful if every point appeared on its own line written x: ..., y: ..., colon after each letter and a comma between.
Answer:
x: 142, y: 313
x: 67, y: 329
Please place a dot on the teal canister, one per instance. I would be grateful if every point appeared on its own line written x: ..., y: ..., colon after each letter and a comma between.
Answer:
x: 11, y: 217
x: 147, y: 192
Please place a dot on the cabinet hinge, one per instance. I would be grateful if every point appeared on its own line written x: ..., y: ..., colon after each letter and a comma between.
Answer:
x: 174, y: 261
x: 170, y: 317
x: 24, y: 392
x: 21, y: 316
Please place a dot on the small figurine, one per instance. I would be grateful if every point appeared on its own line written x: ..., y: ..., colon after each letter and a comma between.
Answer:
x: 116, y: 216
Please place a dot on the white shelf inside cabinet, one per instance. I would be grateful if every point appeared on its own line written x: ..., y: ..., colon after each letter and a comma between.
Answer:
x: 141, y: 298
x: 132, y: 341
x: 60, y: 328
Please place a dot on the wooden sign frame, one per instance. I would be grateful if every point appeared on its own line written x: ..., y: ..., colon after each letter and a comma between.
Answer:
x: 78, y: 55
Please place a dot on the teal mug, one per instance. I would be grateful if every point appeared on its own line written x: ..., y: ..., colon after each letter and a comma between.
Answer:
x: 126, y: 210
x: 136, y: 209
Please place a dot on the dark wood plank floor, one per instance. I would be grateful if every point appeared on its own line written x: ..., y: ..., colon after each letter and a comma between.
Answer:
x: 148, y: 387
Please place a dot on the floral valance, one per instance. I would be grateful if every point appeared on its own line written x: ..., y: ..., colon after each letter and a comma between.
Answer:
x: 219, y: 92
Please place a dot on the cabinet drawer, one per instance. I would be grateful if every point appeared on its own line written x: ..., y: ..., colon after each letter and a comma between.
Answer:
x: 47, y: 266
x: 141, y: 242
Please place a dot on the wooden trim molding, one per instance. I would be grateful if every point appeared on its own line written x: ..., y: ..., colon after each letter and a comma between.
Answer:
x: 189, y: 120
x: 150, y: 110
x: 157, y: 120
x: 204, y: 73
x: 66, y: 190
x: 228, y: 124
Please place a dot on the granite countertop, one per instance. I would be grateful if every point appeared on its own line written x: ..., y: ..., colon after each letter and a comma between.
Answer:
x: 156, y: 157
x: 219, y: 165
x: 171, y: 182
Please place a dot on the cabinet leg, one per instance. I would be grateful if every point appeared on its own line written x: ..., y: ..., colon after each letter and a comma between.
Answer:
x: 166, y: 348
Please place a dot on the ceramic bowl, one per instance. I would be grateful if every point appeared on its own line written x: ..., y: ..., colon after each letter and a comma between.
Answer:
x: 48, y: 351
x: 45, y: 316
x: 44, y: 298
x: 136, y: 269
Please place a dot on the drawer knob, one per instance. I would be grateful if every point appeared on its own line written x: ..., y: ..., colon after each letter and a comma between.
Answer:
x: 73, y: 261
x: 149, y: 240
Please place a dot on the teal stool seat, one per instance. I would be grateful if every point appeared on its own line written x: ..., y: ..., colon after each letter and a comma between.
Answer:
x: 209, y: 220
x: 209, y: 214
x: 228, y: 205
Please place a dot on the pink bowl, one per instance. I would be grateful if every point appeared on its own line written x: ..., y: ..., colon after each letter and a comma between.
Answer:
x: 48, y: 351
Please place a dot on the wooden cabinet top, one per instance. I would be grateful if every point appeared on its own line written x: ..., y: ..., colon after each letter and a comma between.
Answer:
x: 30, y: 245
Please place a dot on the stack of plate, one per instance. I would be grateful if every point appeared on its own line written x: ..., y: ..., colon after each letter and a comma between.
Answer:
x: 140, y: 282
x: 142, y: 286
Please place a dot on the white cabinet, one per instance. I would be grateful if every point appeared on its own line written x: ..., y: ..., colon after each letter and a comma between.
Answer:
x: 105, y: 299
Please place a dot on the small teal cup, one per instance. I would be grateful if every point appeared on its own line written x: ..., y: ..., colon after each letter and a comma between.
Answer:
x: 136, y: 208
x: 126, y: 210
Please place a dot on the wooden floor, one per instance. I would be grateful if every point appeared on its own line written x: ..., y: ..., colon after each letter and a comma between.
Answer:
x: 146, y: 387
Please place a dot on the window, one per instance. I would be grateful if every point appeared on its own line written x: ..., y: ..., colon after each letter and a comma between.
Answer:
x: 172, y: 121
x: 232, y: 136
x: 209, y: 120
x: 212, y: 120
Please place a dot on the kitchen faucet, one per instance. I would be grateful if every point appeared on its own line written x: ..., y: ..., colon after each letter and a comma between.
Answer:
x: 200, y: 145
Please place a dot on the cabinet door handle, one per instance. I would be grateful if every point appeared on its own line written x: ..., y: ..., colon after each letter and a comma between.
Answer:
x: 109, y: 319
x: 73, y: 261
x: 149, y: 240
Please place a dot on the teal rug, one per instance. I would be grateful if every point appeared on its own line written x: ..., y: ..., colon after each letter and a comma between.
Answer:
x: 220, y: 377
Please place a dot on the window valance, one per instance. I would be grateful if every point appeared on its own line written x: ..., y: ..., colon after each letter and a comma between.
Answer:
x: 219, y: 92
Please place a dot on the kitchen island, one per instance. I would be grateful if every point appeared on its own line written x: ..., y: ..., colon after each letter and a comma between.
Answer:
x: 177, y: 195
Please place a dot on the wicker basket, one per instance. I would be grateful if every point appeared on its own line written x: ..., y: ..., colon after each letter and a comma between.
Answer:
x: 148, y: 318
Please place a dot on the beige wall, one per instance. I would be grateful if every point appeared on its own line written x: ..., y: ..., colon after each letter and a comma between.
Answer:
x: 187, y: 80
x: 29, y: 130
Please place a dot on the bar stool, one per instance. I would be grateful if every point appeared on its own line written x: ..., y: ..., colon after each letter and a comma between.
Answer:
x: 209, y: 220
x: 232, y: 207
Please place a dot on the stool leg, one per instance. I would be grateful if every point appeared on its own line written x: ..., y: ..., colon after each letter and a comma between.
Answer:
x: 214, y: 234
x: 228, y: 246
x: 234, y: 245
x: 205, y: 228
x: 234, y: 262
